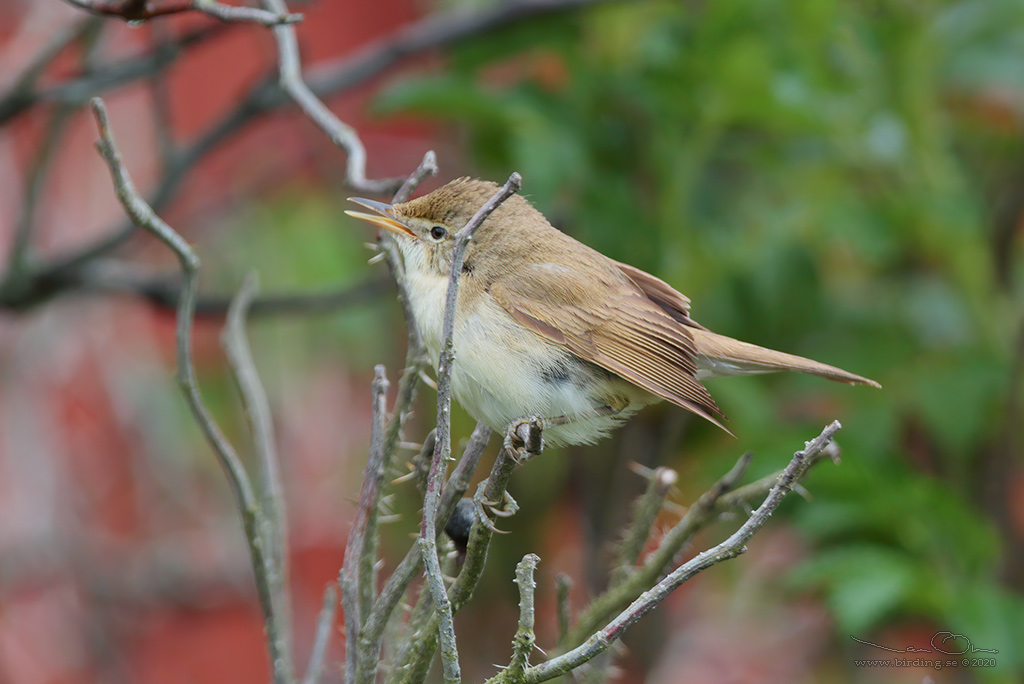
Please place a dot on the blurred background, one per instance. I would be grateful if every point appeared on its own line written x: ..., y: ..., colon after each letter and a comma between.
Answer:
x: 841, y: 180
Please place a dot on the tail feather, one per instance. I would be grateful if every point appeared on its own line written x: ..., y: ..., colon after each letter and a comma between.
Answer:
x: 720, y: 355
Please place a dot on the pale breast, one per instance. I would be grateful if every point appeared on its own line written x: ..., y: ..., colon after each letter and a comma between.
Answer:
x: 504, y: 372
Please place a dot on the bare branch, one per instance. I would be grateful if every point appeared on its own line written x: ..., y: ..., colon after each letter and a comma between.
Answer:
x: 75, y: 91
x: 17, y: 261
x: 403, y: 575
x: 131, y: 10
x: 659, y: 481
x: 427, y: 34
x: 414, y: 355
x: 563, y: 585
x: 730, y: 548
x: 382, y: 445
x: 323, y: 635
x: 375, y: 620
x: 492, y: 493
x: 272, y: 523
x: 458, y: 483
x: 630, y: 585
x: 230, y: 13
x: 427, y: 167
x: 351, y: 575
x: 524, y: 640
x: 144, y: 216
x: 16, y: 280
x: 141, y: 10
x: 164, y: 291
x: 442, y: 451
x: 340, y: 133
x: 26, y: 82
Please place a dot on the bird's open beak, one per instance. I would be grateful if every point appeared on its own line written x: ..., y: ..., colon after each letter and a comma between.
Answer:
x: 385, y: 216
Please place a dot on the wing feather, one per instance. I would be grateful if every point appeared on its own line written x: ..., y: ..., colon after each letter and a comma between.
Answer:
x: 609, y: 319
x: 671, y: 301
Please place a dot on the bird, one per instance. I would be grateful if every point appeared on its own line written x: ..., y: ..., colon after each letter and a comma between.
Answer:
x: 547, y: 327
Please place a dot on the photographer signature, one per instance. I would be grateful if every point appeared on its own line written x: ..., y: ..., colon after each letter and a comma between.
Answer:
x: 941, y: 642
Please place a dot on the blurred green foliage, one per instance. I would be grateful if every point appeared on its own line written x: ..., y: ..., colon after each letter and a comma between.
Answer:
x: 835, y: 179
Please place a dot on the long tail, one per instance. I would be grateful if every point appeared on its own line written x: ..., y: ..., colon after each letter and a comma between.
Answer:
x: 720, y: 355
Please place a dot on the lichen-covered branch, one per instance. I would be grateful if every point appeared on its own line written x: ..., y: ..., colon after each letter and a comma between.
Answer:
x: 524, y: 640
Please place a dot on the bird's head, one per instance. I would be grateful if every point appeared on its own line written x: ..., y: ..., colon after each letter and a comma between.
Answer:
x: 425, y: 227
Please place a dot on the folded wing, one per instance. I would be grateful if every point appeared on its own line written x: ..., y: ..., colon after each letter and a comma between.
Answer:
x: 608, y: 320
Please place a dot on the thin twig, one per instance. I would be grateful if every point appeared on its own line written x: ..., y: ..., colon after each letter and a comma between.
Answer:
x: 429, y: 33
x: 563, y: 586
x: 405, y: 572
x: 164, y: 291
x: 733, y: 546
x: 380, y: 451
x: 74, y: 91
x: 162, y: 107
x: 18, y: 273
x: 24, y: 85
x: 230, y: 13
x: 324, y: 623
x: 375, y: 620
x: 18, y: 257
x: 416, y: 351
x: 427, y: 167
x: 273, y: 524
x: 144, y: 216
x: 351, y: 594
x: 632, y: 584
x: 141, y: 10
x: 340, y: 133
x: 524, y: 640
x: 491, y: 493
x: 442, y: 451
x: 659, y: 482
x: 131, y: 10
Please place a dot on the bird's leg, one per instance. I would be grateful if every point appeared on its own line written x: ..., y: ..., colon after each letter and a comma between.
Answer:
x: 615, y: 406
x: 599, y: 412
x: 522, y: 441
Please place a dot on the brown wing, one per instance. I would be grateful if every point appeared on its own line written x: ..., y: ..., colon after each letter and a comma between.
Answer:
x: 607, y: 320
x: 672, y: 302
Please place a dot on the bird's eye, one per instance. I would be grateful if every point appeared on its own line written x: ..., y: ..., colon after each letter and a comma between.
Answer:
x: 438, y: 232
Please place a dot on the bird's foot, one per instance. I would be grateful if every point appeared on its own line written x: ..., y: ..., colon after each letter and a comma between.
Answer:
x: 486, y: 509
x: 526, y: 438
